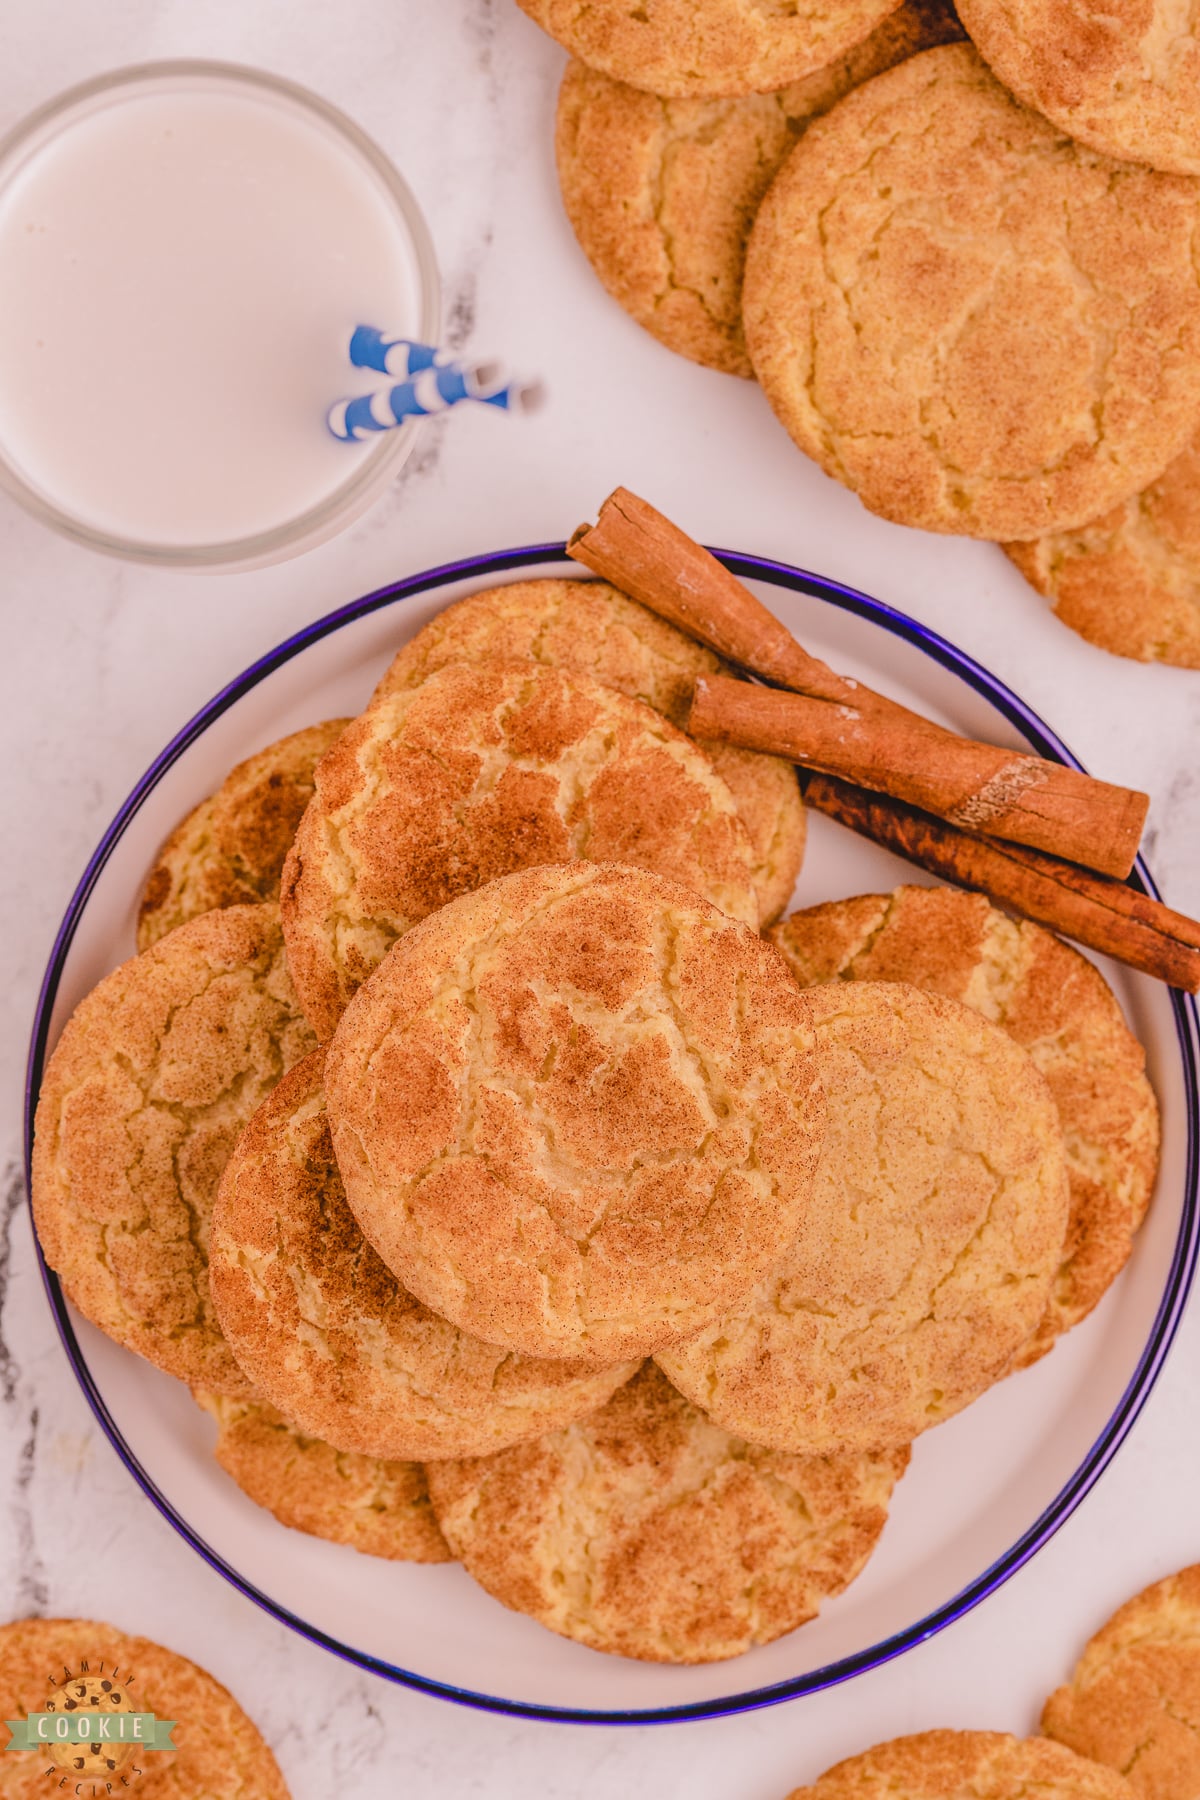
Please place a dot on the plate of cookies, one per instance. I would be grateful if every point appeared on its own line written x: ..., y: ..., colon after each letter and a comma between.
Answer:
x: 553, y: 1215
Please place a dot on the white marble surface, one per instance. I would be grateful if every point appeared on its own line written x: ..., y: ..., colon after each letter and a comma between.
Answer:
x: 101, y: 665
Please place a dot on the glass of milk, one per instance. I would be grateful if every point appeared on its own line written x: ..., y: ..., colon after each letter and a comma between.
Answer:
x: 185, y: 249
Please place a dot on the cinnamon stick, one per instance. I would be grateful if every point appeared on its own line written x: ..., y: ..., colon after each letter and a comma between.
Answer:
x: 638, y: 550
x: 1105, y: 915
x: 978, y: 787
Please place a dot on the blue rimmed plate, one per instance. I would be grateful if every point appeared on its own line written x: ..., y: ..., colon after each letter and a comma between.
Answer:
x: 984, y: 1492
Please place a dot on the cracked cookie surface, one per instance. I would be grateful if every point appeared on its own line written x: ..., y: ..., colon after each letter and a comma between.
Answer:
x: 577, y: 1112
x: 966, y: 1765
x: 154, y: 1077
x: 1123, y: 76
x: 1129, y: 581
x: 325, y: 1331
x: 925, y: 1257
x: 229, y: 850
x: 682, y: 47
x: 661, y: 193
x: 976, y: 324
x: 647, y: 1531
x: 378, y: 1506
x: 1059, y: 1008
x: 484, y: 769
x: 1134, y: 1700
x: 591, y: 628
x: 220, y: 1753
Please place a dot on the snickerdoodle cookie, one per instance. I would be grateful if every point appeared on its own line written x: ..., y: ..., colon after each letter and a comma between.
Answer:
x: 229, y: 850
x: 61, y: 1664
x: 1123, y: 78
x: 683, y: 47
x: 966, y: 1765
x: 1129, y: 581
x: 1059, y: 1008
x: 148, y: 1089
x: 484, y: 769
x: 379, y: 1507
x: 662, y: 193
x: 590, y: 628
x: 327, y: 1333
x: 926, y: 1255
x: 577, y: 1112
x: 978, y: 325
x: 1134, y: 1700
x: 648, y: 1531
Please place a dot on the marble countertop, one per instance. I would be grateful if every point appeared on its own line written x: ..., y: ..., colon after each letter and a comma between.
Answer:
x: 103, y: 662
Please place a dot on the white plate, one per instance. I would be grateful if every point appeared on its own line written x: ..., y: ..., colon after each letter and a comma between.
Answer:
x: 984, y: 1491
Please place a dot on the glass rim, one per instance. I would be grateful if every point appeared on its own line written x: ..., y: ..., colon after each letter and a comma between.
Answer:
x: 347, y: 501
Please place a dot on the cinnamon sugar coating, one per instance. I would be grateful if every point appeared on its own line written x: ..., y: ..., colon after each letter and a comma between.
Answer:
x: 590, y: 628
x: 1129, y: 581
x: 977, y: 324
x: 648, y: 1531
x: 156, y: 1073
x: 682, y: 47
x: 220, y: 1753
x: 1059, y: 1008
x: 379, y: 1507
x: 326, y: 1332
x: 1134, y: 1699
x: 966, y: 1765
x: 662, y: 193
x: 577, y: 1112
x: 1123, y: 76
x: 436, y: 790
x: 229, y: 850
x: 924, y: 1259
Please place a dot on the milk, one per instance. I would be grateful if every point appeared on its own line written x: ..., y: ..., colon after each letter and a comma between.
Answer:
x: 181, y: 266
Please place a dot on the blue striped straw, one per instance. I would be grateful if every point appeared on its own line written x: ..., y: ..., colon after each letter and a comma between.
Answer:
x: 401, y: 357
x: 433, y: 381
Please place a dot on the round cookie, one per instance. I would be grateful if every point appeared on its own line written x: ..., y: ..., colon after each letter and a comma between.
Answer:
x: 648, y: 1531
x: 219, y: 1754
x: 950, y: 1765
x: 326, y: 1332
x: 590, y: 628
x: 662, y: 193
x: 1129, y: 582
x: 1058, y: 1007
x: 925, y: 1257
x: 688, y: 47
x: 1134, y: 1700
x: 577, y: 1112
x: 484, y: 769
x: 147, y: 1091
x: 68, y: 1762
x: 973, y: 322
x: 379, y: 1507
x: 229, y: 850
x: 1123, y: 79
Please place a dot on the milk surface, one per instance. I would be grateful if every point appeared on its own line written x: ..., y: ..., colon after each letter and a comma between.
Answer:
x: 179, y: 276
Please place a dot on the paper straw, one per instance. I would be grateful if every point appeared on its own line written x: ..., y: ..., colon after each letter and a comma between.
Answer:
x: 434, y: 388
x: 400, y: 357
x: 515, y: 396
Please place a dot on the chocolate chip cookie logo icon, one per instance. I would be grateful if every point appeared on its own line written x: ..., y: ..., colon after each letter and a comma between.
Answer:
x: 91, y: 1732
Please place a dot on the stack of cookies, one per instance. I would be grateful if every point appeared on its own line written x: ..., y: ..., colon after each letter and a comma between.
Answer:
x: 963, y: 271
x: 511, y: 1185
